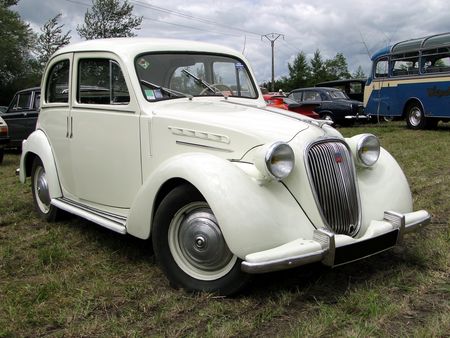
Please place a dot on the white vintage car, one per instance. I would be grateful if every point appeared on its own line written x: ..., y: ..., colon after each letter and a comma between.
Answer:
x: 172, y: 140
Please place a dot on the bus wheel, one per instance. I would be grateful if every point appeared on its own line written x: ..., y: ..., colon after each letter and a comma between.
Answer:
x: 415, y: 119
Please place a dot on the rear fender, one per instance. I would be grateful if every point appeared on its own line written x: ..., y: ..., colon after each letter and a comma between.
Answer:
x: 37, y: 145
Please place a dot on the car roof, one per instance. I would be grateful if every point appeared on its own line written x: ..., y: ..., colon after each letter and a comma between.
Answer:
x: 32, y: 89
x: 134, y: 46
x: 315, y: 88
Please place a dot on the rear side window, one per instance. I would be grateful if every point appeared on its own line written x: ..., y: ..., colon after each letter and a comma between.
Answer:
x: 58, y: 83
x: 101, y: 81
x: 22, y: 101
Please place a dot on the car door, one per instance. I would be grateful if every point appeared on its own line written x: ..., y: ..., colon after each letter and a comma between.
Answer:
x: 21, y: 115
x: 54, y: 118
x: 104, y: 132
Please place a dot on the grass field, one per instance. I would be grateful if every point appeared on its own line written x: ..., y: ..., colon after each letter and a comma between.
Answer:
x: 74, y: 278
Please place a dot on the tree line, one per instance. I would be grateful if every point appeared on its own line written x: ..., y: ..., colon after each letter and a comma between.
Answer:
x: 25, y: 53
x: 307, y: 73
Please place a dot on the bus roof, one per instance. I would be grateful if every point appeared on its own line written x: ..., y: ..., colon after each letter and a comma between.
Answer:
x: 427, y: 42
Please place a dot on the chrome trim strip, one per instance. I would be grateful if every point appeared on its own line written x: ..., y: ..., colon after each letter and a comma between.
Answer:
x: 108, y: 220
x: 203, y: 135
x: 203, y: 146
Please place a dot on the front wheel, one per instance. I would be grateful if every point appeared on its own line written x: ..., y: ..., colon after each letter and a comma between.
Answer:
x: 190, y: 248
x: 415, y: 118
x: 41, y: 192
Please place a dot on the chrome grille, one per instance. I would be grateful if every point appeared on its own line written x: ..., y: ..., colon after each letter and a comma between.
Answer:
x: 332, y: 176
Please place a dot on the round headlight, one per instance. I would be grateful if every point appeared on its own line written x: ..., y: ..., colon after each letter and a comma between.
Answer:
x: 280, y: 160
x: 368, y: 149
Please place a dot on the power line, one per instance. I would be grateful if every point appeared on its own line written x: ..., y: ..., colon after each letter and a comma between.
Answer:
x: 272, y: 37
x: 190, y: 17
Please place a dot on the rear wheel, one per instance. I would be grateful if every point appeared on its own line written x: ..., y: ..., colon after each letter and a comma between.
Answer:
x: 41, y: 193
x: 415, y: 118
x: 328, y: 117
x: 2, y: 152
x: 190, y: 248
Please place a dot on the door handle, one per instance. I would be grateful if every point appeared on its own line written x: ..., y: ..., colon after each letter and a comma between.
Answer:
x: 71, y: 127
x: 67, y: 126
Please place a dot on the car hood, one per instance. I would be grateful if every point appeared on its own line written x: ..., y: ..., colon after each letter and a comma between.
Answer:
x: 224, y: 125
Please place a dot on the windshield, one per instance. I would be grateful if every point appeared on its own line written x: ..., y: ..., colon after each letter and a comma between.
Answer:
x: 338, y: 94
x: 174, y: 75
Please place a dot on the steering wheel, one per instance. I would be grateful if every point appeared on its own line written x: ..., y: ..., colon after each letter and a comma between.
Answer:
x: 220, y: 87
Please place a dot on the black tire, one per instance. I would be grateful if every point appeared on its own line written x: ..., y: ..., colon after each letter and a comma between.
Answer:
x: 2, y: 152
x: 432, y: 123
x: 415, y: 118
x: 189, y: 246
x: 328, y: 117
x: 41, y: 195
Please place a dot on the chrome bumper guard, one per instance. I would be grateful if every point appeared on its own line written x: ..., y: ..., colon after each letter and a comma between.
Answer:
x: 334, y: 250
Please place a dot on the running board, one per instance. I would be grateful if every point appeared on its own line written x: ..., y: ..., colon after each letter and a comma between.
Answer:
x: 108, y: 220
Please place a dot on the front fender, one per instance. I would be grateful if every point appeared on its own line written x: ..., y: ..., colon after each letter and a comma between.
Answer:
x: 252, y: 216
x: 37, y: 145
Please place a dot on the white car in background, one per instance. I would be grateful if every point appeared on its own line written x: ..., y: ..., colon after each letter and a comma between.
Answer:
x: 172, y: 140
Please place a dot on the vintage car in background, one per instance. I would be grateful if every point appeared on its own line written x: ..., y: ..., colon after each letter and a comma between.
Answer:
x: 4, y: 138
x: 181, y: 148
x: 334, y: 104
x: 354, y: 88
x: 283, y: 102
x: 22, y: 114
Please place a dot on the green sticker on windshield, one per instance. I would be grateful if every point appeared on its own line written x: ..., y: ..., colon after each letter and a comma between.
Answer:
x: 143, y: 63
x: 149, y: 94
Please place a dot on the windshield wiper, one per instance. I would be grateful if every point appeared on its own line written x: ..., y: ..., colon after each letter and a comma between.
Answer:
x: 164, y: 89
x: 203, y: 82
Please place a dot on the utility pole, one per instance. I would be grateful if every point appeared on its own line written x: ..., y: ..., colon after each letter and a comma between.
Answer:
x: 272, y: 37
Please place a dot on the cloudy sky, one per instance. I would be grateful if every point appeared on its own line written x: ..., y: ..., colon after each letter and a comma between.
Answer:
x: 355, y: 28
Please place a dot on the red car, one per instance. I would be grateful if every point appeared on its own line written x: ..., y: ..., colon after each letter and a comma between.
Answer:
x: 283, y: 102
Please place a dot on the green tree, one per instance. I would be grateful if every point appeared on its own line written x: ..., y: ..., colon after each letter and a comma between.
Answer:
x: 17, y: 67
x: 359, y: 73
x: 50, y: 40
x: 337, y: 68
x: 299, y: 72
x: 109, y: 19
x: 318, y: 69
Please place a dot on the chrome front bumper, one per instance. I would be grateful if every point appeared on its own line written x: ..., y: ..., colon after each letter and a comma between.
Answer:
x: 332, y: 249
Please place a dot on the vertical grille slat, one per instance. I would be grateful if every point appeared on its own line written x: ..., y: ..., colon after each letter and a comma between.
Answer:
x: 332, y: 177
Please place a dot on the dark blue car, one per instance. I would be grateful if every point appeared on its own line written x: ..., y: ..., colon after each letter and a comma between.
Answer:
x: 334, y: 104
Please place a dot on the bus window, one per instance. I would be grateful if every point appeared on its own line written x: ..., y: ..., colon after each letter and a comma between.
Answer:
x: 381, y: 68
x: 405, y: 64
x: 436, y: 60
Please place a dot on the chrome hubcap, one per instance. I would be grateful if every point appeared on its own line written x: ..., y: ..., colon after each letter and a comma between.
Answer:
x: 42, y: 191
x: 197, y: 244
x: 415, y: 116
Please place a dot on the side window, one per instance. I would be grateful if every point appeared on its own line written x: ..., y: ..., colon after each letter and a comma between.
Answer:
x: 101, y: 81
x: 405, y: 64
x: 297, y: 96
x: 381, y: 68
x: 23, y: 101
x: 311, y: 96
x: 355, y: 88
x: 58, y: 83
x: 436, y: 61
x: 37, y: 100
